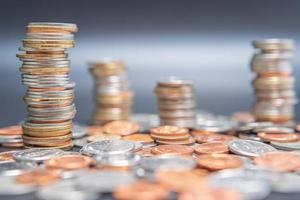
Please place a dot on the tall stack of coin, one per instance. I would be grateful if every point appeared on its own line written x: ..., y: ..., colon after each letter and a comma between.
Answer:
x: 176, y: 102
x: 113, y: 95
x: 274, y: 84
x: 49, y: 97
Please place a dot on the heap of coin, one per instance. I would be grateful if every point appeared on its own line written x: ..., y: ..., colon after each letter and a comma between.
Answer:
x: 49, y: 97
x: 113, y: 96
x: 176, y: 102
x: 274, y: 85
x: 11, y: 136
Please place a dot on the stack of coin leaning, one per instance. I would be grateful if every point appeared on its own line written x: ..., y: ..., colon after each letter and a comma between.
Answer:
x: 274, y: 84
x: 176, y: 102
x: 50, y: 93
x: 113, y: 95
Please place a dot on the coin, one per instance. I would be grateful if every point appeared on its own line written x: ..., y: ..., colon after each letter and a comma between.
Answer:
x: 240, y: 181
x: 177, y: 150
x: 69, y: 162
x: 145, y: 152
x: 94, y: 130
x: 37, y: 178
x: 211, y: 148
x: 15, y: 168
x: 139, y: 137
x: 141, y: 190
x: 99, y: 137
x: 286, y: 146
x: 249, y: 148
x: 121, y: 128
x: 279, y: 137
x: 214, y: 138
x: 37, y: 154
x: 108, y: 147
x: 279, y: 161
x: 7, y: 156
x: 219, y: 161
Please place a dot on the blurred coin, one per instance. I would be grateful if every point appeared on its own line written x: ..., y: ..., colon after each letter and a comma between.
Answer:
x: 37, y: 154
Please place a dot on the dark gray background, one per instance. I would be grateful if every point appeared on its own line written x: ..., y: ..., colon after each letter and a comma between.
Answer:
x: 208, y: 42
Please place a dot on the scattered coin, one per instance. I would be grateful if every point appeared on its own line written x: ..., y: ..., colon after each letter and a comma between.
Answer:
x: 279, y: 137
x: 175, y: 150
x: 38, y: 178
x: 219, y: 161
x: 69, y: 162
x: 249, y: 148
x: 279, y: 161
x: 211, y: 148
x: 121, y: 128
x: 286, y: 146
x: 37, y: 155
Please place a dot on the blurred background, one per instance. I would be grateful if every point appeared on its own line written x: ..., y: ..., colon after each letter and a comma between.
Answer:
x: 207, y: 41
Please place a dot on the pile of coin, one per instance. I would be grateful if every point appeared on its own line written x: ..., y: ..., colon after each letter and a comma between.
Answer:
x: 113, y: 96
x: 11, y: 136
x: 274, y: 84
x: 171, y: 135
x: 49, y: 97
x: 176, y: 102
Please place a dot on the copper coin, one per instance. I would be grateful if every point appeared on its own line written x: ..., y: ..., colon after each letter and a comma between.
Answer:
x: 139, y: 137
x: 38, y: 178
x: 94, y: 130
x: 219, y: 161
x: 214, y: 138
x: 212, y: 147
x: 169, y: 130
x: 243, y: 117
x: 210, y: 193
x: 170, y: 137
x: 141, y: 190
x: 278, y: 137
x: 201, y: 132
x: 279, y: 161
x: 173, y: 179
x: 121, y: 128
x: 145, y: 152
x: 11, y: 130
x: 187, y: 141
x: 7, y: 156
x: 69, y: 162
x: 16, y: 145
x: 172, y: 150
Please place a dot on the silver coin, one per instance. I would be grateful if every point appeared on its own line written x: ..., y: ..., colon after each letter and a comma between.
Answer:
x: 65, y: 190
x: 104, y: 181
x: 249, y: 136
x: 251, y: 187
x: 37, y: 154
x: 78, y: 131
x: 289, y: 146
x: 108, y: 147
x: 119, y: 160
x: 167, y: 163
x: 249, y: 147
x: 10, y: 187
x: 15, y: 168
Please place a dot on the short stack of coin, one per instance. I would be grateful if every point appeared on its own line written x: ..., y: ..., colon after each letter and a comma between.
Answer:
x: 176, y: 102
x: 11, y: 136
x: 171, y: 135
x: 274, y: 84
x: 113, y: 96
x: 49, y: 97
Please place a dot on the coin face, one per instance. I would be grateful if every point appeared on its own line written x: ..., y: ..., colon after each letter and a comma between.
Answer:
x: 219, y: 161
x: 168, y: 130
x: 212, y: 147
x: 279, y: 161
x: 172, y: 150
x: 249, y: 148
x: 37, y: 154
x: 214, y: 138
x: 279, y: 137
x: 121, y: 128
x: 109, y: 147
x: 139, y: 137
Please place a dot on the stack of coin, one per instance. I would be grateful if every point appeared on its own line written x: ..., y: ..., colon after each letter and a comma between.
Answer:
x: 274, y: 84
x: 11, y: 136
x: 49, y: 97
x: 171, y: 135
x: 176, y: 102
x: 113, y: 96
